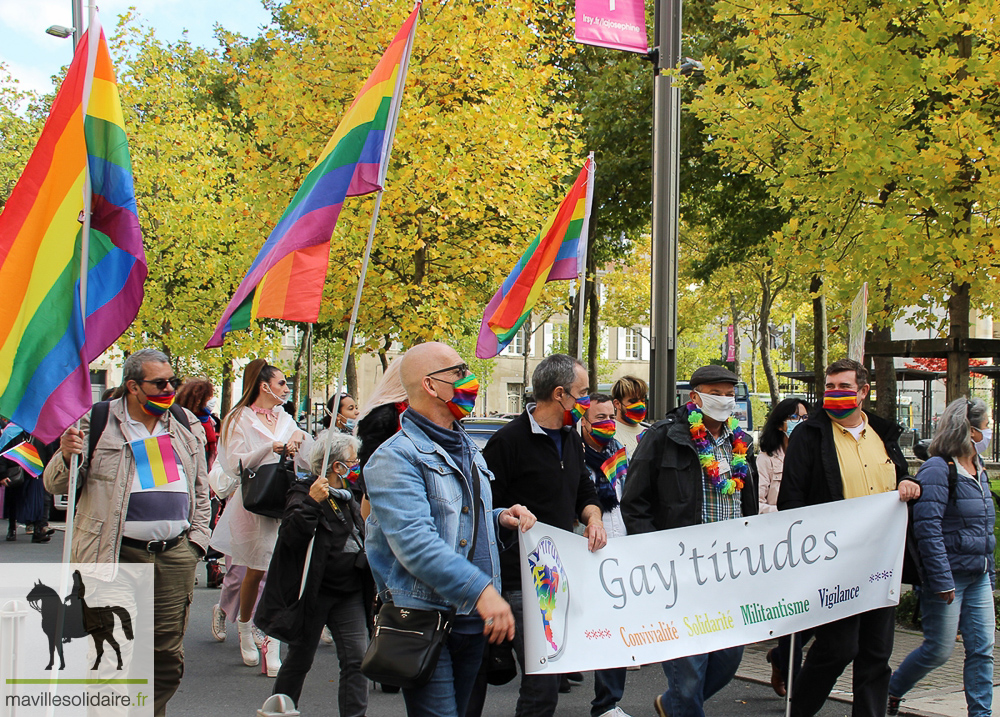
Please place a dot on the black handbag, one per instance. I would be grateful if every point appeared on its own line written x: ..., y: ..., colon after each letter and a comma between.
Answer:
x: 407, y: 642
x: 265, y: 488
x: 406, y: 645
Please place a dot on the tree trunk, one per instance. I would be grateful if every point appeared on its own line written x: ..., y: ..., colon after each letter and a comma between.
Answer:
x: 885, y: 370
x: 593, y: 341
x: 957, y: 379
x: 766, y: 300
x: 352, y: 376
x: 226, y: 399
x: 753, y: 366
x: 571, y: 337
x: 528, y: 333
x: 821, y: 354
x: 736, y: 333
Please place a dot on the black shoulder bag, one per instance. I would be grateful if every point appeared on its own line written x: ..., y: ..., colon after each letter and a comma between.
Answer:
x: 266, y: 488
x: 407, y: 642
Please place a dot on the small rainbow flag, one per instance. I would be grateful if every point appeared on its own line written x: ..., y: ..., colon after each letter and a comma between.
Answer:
x: 555, y: 253
x: 614, y: 468
x: 26, y: 456
x: 47, y: 340
x: 286, y: 279
x: 155, y: 462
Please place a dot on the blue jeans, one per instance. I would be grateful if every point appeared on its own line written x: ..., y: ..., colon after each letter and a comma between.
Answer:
x: 447, y: 693
x: 972, y: 612
x: 692, y: 680
x: 609, y: 686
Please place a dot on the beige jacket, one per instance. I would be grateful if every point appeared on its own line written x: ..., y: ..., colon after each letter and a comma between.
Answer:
x: 101, y: 509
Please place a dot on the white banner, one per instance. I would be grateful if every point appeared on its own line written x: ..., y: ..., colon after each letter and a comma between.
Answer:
x: 658, y: 596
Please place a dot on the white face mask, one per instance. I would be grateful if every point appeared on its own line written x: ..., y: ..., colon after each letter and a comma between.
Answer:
x: 982, y: 445
x: 718, y: 408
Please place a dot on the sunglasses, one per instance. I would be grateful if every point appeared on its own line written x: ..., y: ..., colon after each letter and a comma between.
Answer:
x: 461, y: 368
x: 161, y: 383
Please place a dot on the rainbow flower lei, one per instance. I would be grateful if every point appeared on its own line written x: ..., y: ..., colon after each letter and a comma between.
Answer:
x: 706, y: 456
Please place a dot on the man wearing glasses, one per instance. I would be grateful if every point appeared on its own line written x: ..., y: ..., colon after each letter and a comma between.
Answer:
x: 538, y: 461
x: 121, y: 518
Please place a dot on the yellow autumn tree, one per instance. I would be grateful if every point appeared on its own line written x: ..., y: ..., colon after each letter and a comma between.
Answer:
x: 476, y: 163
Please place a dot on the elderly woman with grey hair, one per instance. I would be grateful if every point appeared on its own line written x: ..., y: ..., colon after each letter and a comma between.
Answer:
x: 953, y: 522
x: 319, y: 575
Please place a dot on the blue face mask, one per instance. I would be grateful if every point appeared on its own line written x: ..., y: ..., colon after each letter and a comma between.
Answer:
x: 790, y: 425
x: 351, y: 423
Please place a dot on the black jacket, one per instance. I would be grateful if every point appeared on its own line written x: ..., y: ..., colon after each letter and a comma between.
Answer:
x: 281, y: 613
x: 663, y: 489
x: 527, y: 470
x: 811, y: 474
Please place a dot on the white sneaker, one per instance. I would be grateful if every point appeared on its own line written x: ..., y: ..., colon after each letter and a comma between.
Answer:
x: 272, y: 656
x: 218, y: 623
x: 258, y: 636
x: 616, y: 712
x: 326, y: 636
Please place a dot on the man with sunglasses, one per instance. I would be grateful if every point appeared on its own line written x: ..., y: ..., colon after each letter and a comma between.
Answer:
x: 537, y: 460
x: 119, y: 518
x: 432, y: 533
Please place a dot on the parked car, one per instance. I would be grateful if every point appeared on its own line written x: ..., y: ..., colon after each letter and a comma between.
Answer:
x: 480, y: 429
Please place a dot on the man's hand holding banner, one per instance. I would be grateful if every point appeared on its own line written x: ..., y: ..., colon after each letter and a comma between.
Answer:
x: 658, y: 596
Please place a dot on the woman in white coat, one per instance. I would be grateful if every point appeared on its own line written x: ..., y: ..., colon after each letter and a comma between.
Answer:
x: 254, y: 434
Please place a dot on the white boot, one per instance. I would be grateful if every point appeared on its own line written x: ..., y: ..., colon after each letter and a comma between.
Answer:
x: 272, y: 656
x: 248, y: 648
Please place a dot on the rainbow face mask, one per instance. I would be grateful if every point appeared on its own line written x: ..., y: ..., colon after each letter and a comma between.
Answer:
x: 840, y: 404
x: 634, y: 412
x: 464, y: 400
x: 353, y: 473
x: 158, y: 405
x: 603, y: 431
x: 580, y: 407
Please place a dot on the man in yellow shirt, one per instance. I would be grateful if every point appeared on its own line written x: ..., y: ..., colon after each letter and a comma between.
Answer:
x: 843, y: 452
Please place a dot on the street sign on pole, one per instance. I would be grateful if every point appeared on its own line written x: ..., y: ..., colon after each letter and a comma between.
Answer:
x: 618, y: 24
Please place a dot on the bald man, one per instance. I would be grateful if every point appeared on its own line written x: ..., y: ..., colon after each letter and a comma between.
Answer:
x: 432, y: 534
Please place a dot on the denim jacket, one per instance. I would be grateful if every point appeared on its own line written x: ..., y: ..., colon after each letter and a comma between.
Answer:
x: 420, y: 529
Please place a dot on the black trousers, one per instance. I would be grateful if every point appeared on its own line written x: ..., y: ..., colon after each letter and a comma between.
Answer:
x: 865, y: 640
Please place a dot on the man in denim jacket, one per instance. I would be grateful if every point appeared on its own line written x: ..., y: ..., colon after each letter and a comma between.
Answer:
x: 430, y: 545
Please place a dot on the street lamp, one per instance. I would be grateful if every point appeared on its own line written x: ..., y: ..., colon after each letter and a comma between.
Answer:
x: 60, y: 31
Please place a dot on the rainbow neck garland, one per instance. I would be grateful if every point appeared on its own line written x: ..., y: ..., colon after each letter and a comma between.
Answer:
x: 706, y: 456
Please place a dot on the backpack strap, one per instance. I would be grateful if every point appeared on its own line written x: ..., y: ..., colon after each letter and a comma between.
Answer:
x: 952, y: 480
x: 178, y: 413
x: 98, y: 422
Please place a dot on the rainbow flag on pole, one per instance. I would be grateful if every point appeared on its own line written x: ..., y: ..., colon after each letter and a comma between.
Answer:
x: 46, y: 346
x: 555, y: 253
x: 155, y: 462
x: 26, y: 456
x: 615, y: 467
x: 286, y: 279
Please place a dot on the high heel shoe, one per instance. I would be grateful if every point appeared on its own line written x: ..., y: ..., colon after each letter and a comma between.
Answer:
x: 272, y: 656
x: 248, y: 648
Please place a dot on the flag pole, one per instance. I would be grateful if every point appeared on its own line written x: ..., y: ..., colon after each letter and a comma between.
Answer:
x: 310, y: 424
x: 74, y: 462
x: 582, y: 265
x: 397, y: 101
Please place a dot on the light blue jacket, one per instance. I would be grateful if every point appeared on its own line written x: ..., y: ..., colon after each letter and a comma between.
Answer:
x: 419, y: 532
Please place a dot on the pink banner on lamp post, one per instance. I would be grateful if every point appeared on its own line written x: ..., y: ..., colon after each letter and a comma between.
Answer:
x: 618, y: 24
x: 730, y: 344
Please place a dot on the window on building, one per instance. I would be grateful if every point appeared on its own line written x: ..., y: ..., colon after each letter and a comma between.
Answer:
x: 633, y: 347
x: 515, y: 397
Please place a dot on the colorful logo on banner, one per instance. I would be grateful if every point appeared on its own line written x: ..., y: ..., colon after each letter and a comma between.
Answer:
x: 155, y: 462
x: 26, y: 456
x: 552, y: 589
x: 618, y: 24
x: 614, y: 467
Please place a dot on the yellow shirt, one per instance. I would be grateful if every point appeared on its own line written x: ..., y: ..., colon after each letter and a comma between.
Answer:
x: 865, y: 467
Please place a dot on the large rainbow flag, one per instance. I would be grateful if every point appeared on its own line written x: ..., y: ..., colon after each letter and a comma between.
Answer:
x: 286, y: 279
x: 555, y: 253
x: 45, y: 346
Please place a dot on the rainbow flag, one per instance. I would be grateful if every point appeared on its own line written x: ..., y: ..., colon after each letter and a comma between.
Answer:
x: 46, y: 346
x: 614, y: 468
x: 555, y: 253
x: 155, y: 462
x: 286, y: 279
x: 26, y: 456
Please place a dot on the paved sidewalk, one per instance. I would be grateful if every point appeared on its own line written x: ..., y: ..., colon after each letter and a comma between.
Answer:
x: 940, y: 693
